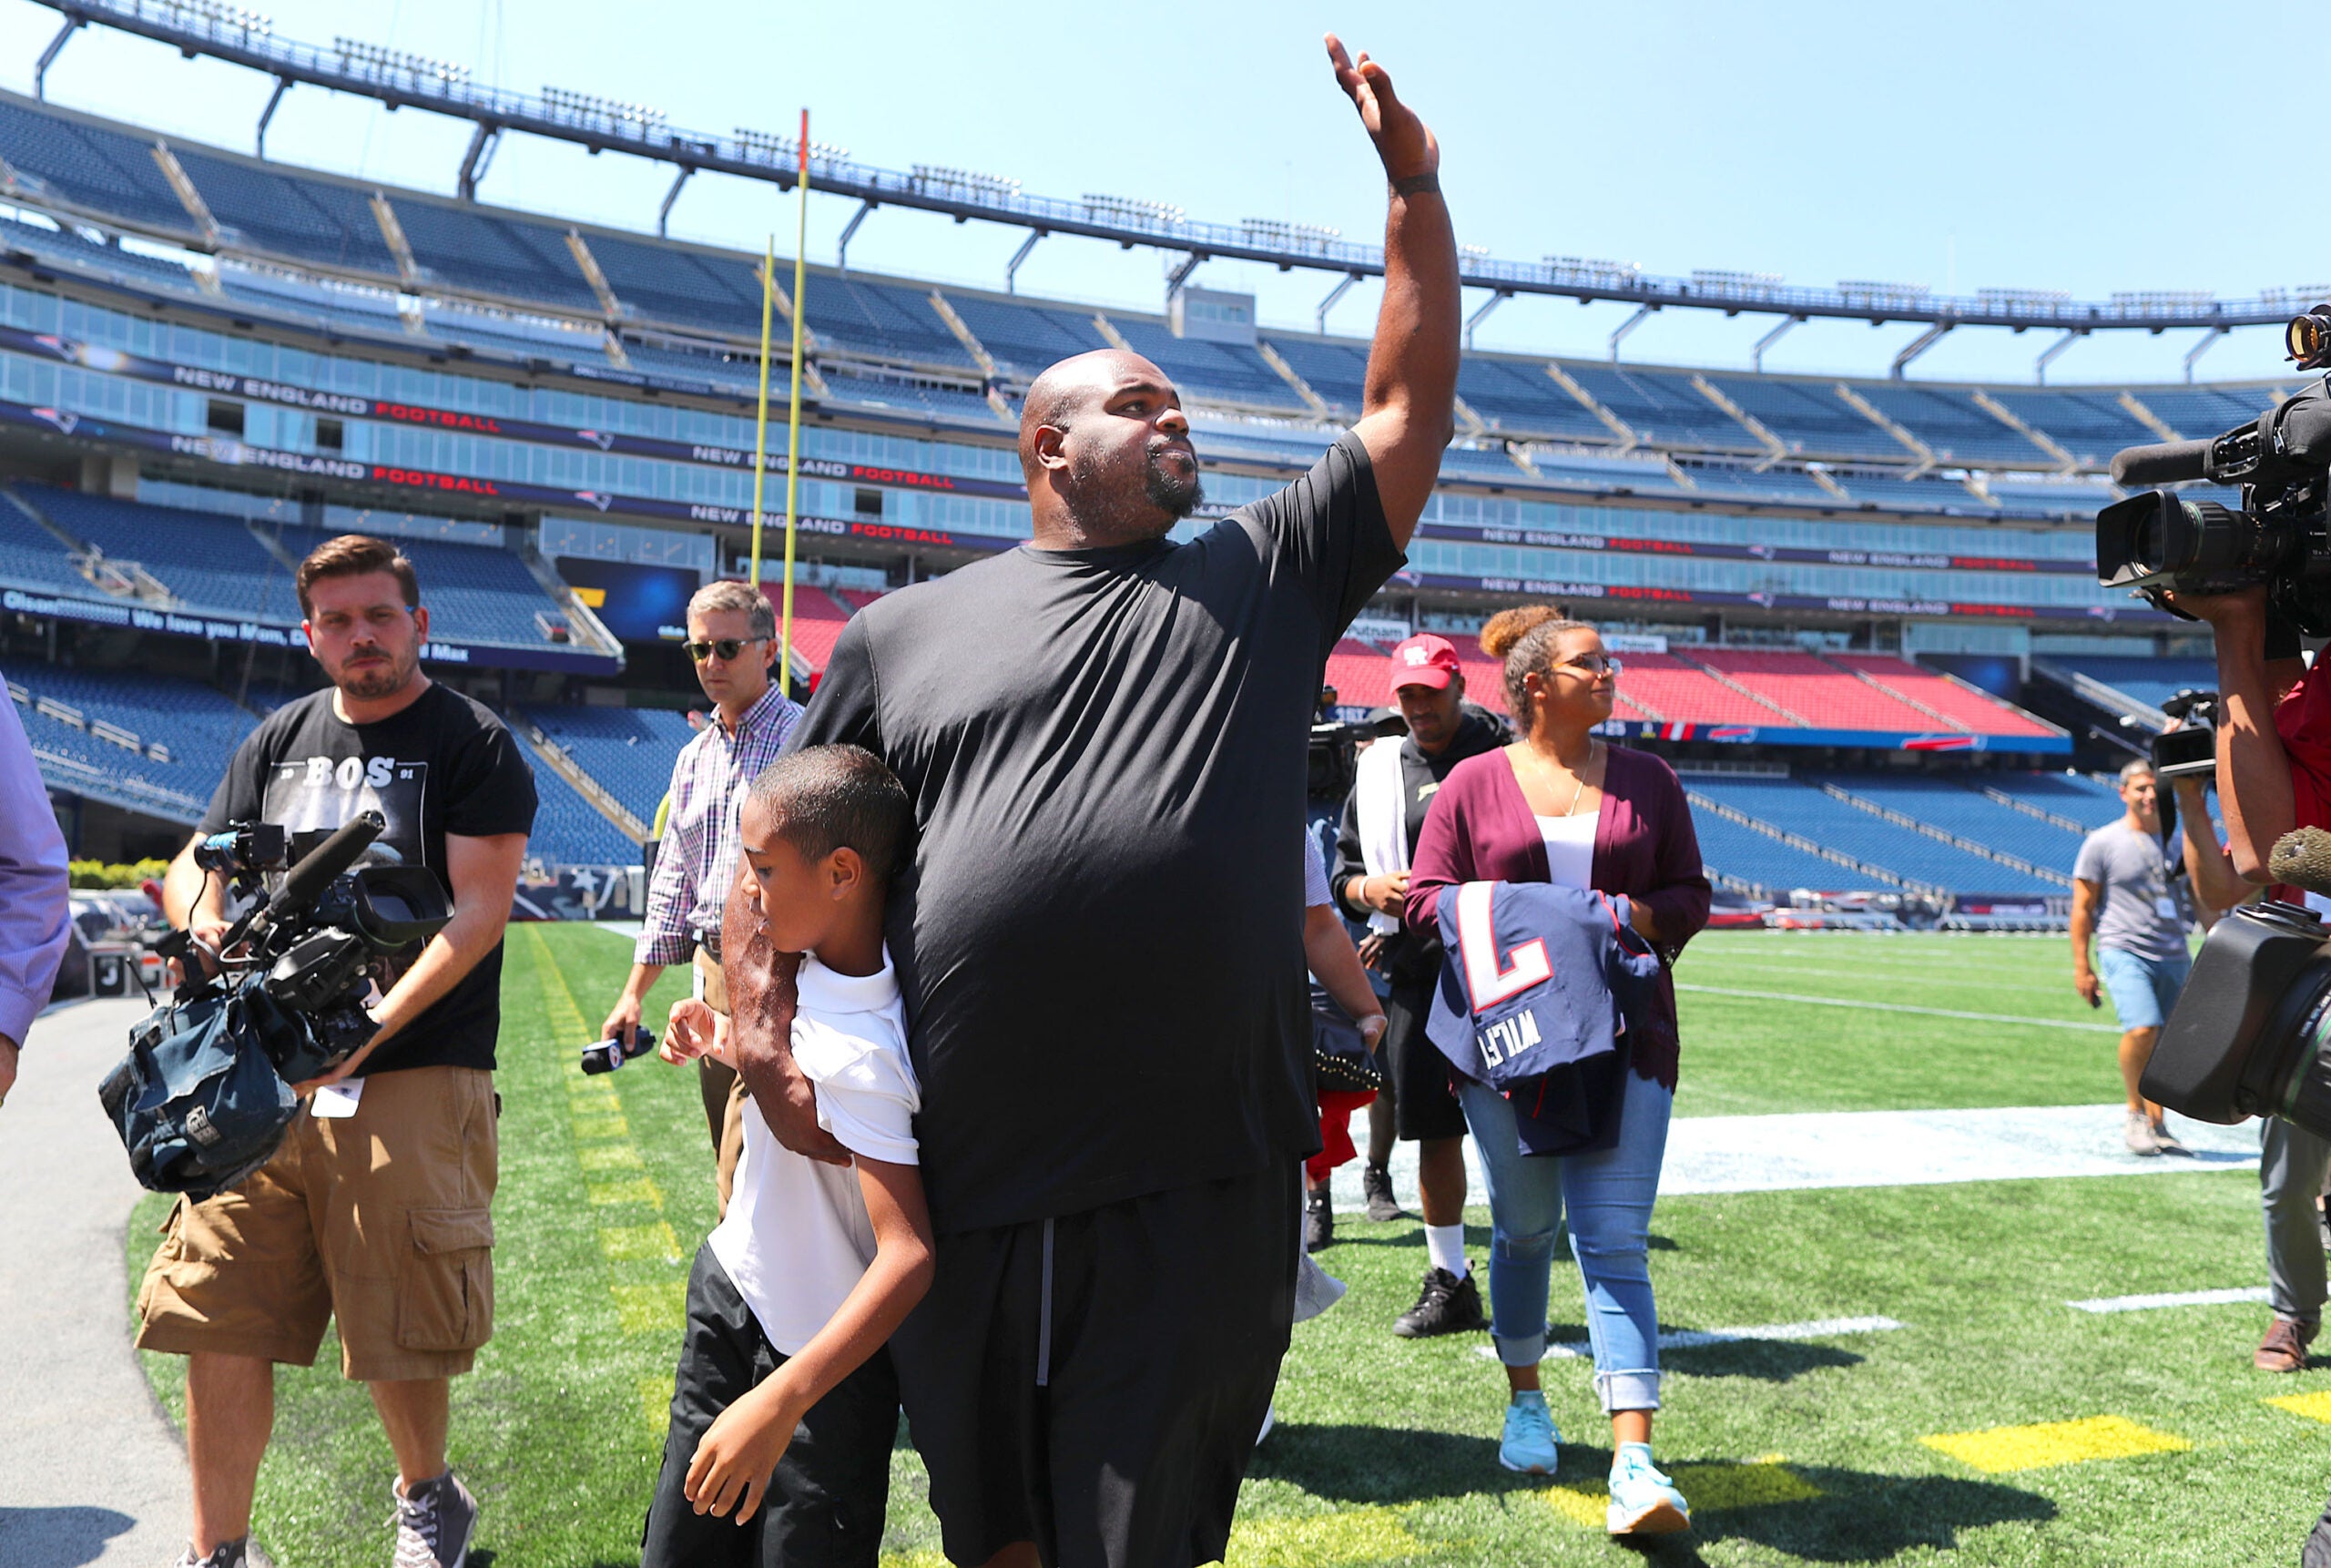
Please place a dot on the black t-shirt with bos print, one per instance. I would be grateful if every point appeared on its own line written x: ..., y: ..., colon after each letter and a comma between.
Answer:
x: 441, y: 764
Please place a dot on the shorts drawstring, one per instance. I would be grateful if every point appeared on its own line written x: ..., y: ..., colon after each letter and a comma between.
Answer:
x: 1044, y: 1315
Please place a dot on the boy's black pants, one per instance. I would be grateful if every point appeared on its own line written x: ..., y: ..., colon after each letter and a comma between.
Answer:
x: 826, y: 1503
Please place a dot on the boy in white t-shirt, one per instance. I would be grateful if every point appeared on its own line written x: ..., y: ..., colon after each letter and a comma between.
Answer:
x: 784, y: 1407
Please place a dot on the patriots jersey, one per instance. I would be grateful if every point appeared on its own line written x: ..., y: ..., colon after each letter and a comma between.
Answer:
x: 1536, y: 978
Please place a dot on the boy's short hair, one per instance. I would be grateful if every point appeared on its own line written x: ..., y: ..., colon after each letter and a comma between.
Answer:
x: 829, y: 797
x: 355, y: 556
x: 2140, y: 769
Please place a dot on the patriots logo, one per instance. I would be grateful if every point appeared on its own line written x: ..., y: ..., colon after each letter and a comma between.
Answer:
x: 62, y: 420
x: 593, y: 498
x: 602, y: 438
x: 1416, y: 656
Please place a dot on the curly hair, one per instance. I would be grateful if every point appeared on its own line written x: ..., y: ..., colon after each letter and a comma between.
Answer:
x: 1525, y: 638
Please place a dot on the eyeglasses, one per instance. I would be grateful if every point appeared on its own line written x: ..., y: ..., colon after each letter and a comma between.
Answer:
x: 1592, y: 665
x: 727, y: 647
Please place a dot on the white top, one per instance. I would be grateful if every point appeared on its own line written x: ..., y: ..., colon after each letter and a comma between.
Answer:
x: 796, y: 1238
x: 1315, y: 873
x: 1570, y: 848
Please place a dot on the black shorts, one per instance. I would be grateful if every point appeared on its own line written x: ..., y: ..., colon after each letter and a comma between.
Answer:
x: 826, y: 1501
x: 1424, y: 1097
x: 1096, y: 1383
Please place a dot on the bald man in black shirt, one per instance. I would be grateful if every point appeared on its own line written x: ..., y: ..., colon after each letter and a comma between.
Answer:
x: 1105, y: 737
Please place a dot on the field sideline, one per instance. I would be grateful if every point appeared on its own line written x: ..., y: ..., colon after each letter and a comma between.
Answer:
x: 1995, y: 1421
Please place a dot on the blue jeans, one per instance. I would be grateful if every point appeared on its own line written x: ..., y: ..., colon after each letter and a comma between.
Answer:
x: 1609, y: 1197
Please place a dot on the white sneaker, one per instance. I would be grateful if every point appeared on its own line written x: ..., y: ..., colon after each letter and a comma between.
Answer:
x: 2141, y: 1135
x: 1643, y: 1501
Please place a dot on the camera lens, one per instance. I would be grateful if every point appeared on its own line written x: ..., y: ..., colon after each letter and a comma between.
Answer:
x: 2307, y: 340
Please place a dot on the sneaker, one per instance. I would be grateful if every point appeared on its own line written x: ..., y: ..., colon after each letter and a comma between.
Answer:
x: 1643, y: 1500
x: 225, y: 1554
x: 1530, y: 1444
x: 1318, y: 1221
x: 434, y: 1521
x: 2165, y: 1142
x: 1376, y: 1186
x: 2284, y: 1350
x: 2139, y: 1134
x: 1316, y: 1290
x: 1447, y: 1305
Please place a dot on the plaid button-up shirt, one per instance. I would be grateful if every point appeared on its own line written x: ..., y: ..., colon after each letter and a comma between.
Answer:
x: 699, y: 859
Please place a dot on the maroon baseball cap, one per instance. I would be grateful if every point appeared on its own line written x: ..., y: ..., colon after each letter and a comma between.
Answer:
x: 1425, y: 660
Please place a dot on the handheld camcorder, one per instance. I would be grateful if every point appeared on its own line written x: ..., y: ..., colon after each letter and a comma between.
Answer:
x: 611, y: 1054
x: 204, y: 1096
x: 2251, y: 1036
x: 2280, y: 535
x: 2190, y: 750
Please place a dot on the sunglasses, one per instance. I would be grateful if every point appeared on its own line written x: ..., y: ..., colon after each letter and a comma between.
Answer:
x: 727, y: 647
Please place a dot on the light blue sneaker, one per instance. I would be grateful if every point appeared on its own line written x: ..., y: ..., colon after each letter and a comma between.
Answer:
x: 1643, y: 1500
x: 1530, y: 1444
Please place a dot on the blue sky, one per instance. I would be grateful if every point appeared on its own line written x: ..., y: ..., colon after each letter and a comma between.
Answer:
x: 2088, y: 148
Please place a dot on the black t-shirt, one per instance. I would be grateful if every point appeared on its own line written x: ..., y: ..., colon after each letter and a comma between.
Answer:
x: 441, y: 764
x: 1100, y: 938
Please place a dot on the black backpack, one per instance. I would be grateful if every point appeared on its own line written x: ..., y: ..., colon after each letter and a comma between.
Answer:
x: 198, y: 1101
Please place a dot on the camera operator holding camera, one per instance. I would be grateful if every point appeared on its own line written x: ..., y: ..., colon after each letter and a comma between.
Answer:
x: 2274, y: 774
x: 375, y: 1210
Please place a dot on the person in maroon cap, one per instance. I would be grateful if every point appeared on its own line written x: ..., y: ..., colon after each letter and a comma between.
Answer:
x: 1382, y: 817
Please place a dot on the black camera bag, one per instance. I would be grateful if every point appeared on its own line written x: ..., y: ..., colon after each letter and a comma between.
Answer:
x: 198, y: 1101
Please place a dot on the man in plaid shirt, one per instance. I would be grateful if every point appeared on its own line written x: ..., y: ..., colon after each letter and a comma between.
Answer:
x: 732, y: 637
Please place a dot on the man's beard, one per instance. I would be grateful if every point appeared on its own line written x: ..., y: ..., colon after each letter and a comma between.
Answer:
x: 1110, y: 509
x: 1176, y: 496
x: 384, y: 680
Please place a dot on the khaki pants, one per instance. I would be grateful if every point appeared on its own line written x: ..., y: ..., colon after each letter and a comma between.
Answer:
x: 382, y: 1220
x: 723, y: 1091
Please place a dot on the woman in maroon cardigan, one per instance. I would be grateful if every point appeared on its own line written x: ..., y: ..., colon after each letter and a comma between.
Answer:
x: 1561, y: 805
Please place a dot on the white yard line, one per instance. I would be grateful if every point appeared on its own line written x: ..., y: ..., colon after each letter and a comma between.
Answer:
x: 1901, y: 1007
x: 1819, y: 1149
x: 2174, y: 1299
x: 1699, y: 1338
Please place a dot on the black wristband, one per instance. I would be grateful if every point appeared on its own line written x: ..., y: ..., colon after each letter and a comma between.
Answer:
x: 1416, y: 185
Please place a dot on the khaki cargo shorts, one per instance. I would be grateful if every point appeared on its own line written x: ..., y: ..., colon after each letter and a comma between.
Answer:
x: 380, y: 1220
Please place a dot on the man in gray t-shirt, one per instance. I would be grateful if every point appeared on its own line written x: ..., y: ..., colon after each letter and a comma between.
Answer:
x: 2141, y: 938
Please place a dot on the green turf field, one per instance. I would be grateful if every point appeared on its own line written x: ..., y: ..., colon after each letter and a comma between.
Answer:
x: 2066, y: 1438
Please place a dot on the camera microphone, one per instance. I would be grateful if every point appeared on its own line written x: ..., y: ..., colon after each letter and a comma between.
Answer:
x: 316, y: 871
x: 2166, y: 464
x: 2302, y: 860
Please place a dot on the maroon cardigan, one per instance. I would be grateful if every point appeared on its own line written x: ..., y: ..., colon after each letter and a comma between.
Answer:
x: 1480, y: 829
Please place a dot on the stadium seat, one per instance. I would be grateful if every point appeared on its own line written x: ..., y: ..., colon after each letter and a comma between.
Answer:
x: 629, y: 750
x: 1958, y: 705
x: 1816, y: 691
x: 1800, y: 807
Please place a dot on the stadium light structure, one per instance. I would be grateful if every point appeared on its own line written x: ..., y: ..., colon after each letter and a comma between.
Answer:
x: 201, y: 27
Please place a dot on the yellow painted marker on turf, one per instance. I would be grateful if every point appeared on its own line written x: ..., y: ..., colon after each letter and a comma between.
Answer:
x: 2048, y: 1445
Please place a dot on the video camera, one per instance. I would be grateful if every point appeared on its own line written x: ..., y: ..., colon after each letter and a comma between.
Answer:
x: 2281, y: 533
x: 1334, y: 758
x: 204, y: 1094
x: 2251, y: 1036
x: 2190, y: 750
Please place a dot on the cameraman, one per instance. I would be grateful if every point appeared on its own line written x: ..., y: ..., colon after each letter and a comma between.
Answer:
x: 2273, y: 775
x: 375, y: 1210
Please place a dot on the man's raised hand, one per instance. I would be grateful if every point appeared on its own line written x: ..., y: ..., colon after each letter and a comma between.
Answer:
x: 1404, y: 142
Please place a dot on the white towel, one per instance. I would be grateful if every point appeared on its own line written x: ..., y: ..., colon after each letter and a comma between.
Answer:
x: 1380, y: 792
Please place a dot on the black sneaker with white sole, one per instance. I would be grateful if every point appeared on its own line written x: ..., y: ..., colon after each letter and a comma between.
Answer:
x: 434, y: 1522
x: 1376, y: 1186
x: 1447, y: 1305
x: 1318, y: 1221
